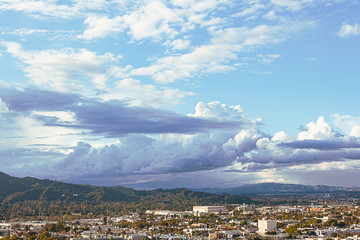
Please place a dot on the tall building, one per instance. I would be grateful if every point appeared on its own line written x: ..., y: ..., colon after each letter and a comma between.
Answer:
x: 266, y: 226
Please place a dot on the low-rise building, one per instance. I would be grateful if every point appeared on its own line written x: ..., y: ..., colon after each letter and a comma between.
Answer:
x: 208, y: 209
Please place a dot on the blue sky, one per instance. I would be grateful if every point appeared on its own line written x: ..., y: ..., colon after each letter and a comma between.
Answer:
x: 181, y: 93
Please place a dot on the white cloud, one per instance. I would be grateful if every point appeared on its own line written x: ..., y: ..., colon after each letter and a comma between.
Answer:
x: 200, y: 5
x: 271, y: 175
x: 154, y: 20
x: 64, y: 69
x: 242, y: 142
x: 317, y: 146
x: 44, y: 7
x: 348, y: 30
x: 178, y: 44
x: 202, y: 60
x: 271, y: 15
x: 60, y: 115
x: 28, y: 31
x: 135, y: 93
x: 268, y: 58
x: 219, y: 55
x: 355, y: 131
x: 100, y: 27
x: 217, y: 110
x: 56, y: 8
x: 293, y: 5
x: 70, y: 70
x: 251, y: 10
x: 317, y: 130
x: 246, y: 37
x: 327, y: 166
x: 3, y: 107
x: 346, y: 122
x: 281, y: 136
x: 19, y: 131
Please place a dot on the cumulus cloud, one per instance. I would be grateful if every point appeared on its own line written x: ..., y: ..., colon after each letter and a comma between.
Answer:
x: 317, y: 130
x: 348, y: 30
x: 204, y: 140
x: 217, y: 110
x: 216, y: 137
x: 100, y: 27
x: 319, y: 143
x: 168, y: 153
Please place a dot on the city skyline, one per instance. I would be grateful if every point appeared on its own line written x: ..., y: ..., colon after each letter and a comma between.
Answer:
x: 181, y: 93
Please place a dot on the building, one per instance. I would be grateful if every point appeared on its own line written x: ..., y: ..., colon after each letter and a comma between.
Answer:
x: 165, y: 213
x: 266, y: 226
x: 208, y: 209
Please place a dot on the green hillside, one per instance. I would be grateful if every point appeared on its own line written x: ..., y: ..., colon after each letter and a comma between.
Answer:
x: 32, y: 197
x: 14, y: 189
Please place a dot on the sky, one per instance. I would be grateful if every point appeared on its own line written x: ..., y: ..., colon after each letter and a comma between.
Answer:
x: 181, y: 93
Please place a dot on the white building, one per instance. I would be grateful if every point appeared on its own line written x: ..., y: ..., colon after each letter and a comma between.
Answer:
x: 208, y: 209
x: 266, y: 226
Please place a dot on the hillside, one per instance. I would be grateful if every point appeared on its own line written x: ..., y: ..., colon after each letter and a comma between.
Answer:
x: 13, y: 189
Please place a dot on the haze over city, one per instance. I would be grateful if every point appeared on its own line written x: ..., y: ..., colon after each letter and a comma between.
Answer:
x: 181, y: 93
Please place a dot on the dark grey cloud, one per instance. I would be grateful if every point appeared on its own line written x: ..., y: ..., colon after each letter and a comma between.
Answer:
x: 114, y: 119
x: 34, y: 99
x: 321, y: 144
x: 110, y: 119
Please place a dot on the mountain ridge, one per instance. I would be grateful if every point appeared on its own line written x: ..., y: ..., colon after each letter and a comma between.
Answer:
x: 14, y: 189
x: 277, y: 188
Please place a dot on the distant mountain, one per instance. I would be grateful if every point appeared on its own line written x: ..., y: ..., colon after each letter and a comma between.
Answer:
x: 276, y: 188
x: 13, y: 189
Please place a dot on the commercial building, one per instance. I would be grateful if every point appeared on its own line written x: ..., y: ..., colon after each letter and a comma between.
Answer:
x: 266, y: 226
